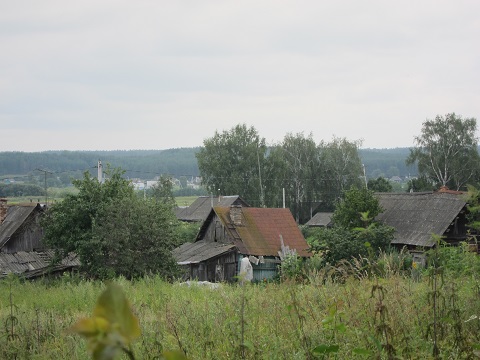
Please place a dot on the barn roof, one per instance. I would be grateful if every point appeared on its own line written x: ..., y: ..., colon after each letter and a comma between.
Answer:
x: 320, y: 219
x: 257, y: 231
x: 33, y: 263
x: 416, y: 216
x: 192, y: 253
x: 199, y: 210
x: 16, y: 216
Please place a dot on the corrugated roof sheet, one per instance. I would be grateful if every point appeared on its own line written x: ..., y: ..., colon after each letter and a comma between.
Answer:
x: 201, y: 207
x: 31, y: 264
x: 260, y: 230
x: 192, y: 253
x: 16, y: 216
x: 320, y: 219
x: 416, y: 216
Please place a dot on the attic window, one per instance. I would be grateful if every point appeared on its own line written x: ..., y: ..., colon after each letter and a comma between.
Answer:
x: 236, y: 215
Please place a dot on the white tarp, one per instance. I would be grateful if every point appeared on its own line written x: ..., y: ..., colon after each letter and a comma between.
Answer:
x: 246, y: 270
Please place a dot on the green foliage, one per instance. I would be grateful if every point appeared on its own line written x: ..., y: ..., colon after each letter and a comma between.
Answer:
x: 354, y: 233
x: 338, y: 243
x: 231, y: 163
x: 379, y: 184
x: 186, y: 232
x: 113, y: 231
x: 341, y: 168
x: 112, y: 327
x: 15, y: 189
x: 293, y: 166
x: 473, y: 206
x: 349, y: 209
x: 292, y: 267
x: 162, y: 191
x: 133, y: 237
x: 446, y: 151
x: 421, y: 183
x: 458, y: 260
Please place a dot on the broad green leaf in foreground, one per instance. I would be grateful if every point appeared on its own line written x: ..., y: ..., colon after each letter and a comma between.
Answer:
x: 112, y: 327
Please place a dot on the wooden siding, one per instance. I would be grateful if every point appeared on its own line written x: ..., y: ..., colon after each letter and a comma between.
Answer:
x: 222, y: 268
x: 28, y: 236
x: 215, y: 232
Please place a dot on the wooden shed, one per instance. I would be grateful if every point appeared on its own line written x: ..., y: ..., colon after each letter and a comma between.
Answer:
x: 231, y: 233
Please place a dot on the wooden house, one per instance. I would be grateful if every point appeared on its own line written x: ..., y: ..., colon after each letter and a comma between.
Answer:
x: 416, y: 216
x: 20, y: 229
x: 22, y: 250
x: 201, y: 207
x: 231, y: 233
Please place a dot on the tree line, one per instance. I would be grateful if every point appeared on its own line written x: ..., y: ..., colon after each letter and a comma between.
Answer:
x: 146, y: 164
x: 297, y: 172
x: 63, y: 165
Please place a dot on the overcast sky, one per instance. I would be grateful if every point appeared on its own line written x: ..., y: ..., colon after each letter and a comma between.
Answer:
x: 105, y: 75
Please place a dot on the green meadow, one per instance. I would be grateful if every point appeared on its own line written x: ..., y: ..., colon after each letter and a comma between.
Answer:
x: 336, y: 314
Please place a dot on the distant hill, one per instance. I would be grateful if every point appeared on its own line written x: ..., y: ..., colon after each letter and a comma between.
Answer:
x: 386, y: 162
x: 146, y: 164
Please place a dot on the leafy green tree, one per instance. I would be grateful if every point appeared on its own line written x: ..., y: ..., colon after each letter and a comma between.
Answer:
x: 231, y: 163
x: 134, y: 237
x: 355, y: 231
x: 112, y: 230
x: 351, y: 211
x: 446, y: 151
x: 379, y: 184
x: 341, y: 168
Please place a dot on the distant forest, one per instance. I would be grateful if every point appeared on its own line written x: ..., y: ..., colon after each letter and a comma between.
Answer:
x: 147, y: 164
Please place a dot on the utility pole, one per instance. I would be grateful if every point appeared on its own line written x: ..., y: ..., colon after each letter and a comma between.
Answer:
x: 365, y: 176
x: 262, y: 197
x: 45, y: 173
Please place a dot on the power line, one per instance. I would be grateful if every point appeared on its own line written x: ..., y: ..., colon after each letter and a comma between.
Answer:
x: 46, y: 193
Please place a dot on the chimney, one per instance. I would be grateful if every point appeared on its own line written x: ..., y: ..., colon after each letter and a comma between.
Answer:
x: 3, y: 210
x: 236, y: 215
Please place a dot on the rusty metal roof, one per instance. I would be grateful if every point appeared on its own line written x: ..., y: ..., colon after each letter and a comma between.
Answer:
x: 201, y: 207
x: 192, y: 253
x: 416, y: 216
x: 16, y: 216
x: 257, y: 231
x: 33, y: 263
x: 320, y: 219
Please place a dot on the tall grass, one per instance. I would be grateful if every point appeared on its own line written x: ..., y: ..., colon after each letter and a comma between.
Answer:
x: 328, y: 317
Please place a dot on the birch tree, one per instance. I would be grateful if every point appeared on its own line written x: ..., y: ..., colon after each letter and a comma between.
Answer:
x: 294, y: 165
x: 446, y: 151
